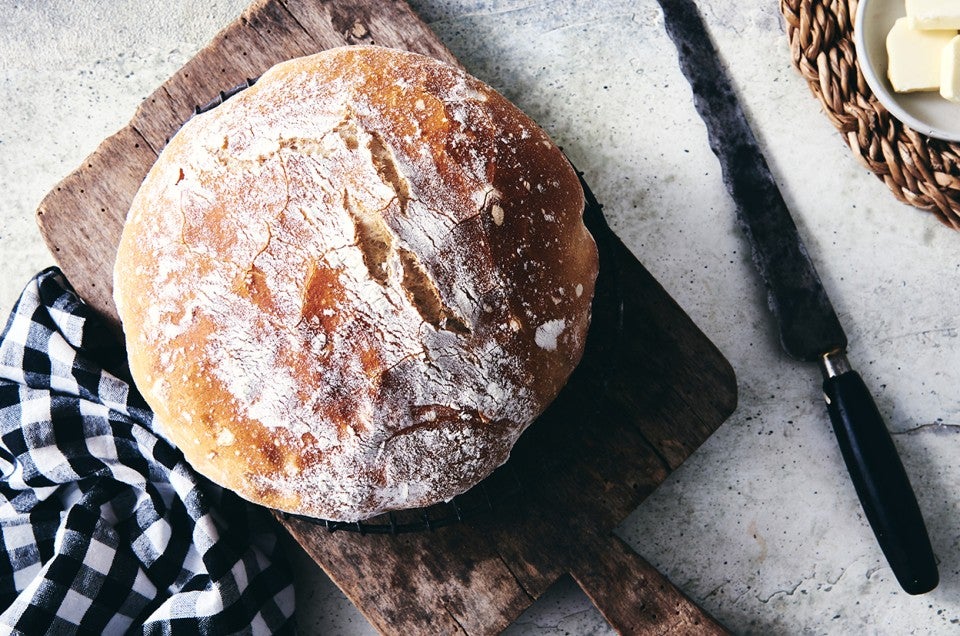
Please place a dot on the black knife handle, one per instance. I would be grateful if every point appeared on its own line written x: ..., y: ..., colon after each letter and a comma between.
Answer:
x: 881, y: 482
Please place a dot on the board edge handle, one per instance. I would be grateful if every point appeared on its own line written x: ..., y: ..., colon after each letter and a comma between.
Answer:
x: 633, y: 596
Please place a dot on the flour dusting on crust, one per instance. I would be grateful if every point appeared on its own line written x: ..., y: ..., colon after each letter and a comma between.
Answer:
x: 340, y: 290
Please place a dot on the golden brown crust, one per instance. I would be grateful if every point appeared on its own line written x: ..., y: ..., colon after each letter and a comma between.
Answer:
x: 351, y: 287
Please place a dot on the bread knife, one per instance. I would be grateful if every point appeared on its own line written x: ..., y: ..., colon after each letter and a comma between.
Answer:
x: 808, y: 324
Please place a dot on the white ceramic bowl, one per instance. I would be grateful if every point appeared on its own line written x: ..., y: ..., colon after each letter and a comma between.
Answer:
x: 927, y: 113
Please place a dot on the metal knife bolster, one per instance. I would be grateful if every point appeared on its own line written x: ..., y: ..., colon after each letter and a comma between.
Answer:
x: 834, y: 364
x: 808, y: 325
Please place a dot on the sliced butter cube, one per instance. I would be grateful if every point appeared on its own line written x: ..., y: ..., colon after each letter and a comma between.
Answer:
x: 933, y: 14
x: 950, y: 70
x: 914, y: 57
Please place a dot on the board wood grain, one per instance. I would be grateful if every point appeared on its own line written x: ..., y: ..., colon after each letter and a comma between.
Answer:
x: 652, y: 390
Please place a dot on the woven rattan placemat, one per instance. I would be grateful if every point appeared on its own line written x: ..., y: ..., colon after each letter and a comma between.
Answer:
x: 919, y: 170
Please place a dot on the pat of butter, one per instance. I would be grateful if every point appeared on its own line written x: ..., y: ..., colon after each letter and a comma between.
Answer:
x: 914, y: 57
x: 933, y: 14
x: 950, y: 70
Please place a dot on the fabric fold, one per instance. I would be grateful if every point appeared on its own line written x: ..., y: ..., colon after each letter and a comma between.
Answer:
x: 103, y: 525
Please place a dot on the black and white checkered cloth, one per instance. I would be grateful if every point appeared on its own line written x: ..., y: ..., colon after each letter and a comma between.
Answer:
x: 104, y: 527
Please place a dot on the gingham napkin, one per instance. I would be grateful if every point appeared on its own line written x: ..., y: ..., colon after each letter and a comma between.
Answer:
x: 104, y: 527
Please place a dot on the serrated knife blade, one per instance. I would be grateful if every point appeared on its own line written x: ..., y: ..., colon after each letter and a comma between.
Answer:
x: 808, y: 325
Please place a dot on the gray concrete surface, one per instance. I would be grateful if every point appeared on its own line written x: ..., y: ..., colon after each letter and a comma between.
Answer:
x: 761, y: 525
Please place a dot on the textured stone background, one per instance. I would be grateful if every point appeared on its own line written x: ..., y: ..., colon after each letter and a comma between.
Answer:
x: 761, y: 525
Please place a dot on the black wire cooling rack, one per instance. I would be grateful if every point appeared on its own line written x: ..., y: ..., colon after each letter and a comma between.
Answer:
x: 507, y: 487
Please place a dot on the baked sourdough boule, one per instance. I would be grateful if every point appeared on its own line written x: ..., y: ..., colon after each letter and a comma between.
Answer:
x: 352, y: 286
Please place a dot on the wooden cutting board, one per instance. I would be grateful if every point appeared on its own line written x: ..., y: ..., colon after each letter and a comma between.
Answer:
x: 651, y: 389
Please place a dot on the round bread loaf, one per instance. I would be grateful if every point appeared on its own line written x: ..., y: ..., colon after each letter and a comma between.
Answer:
x: 351, y: 287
